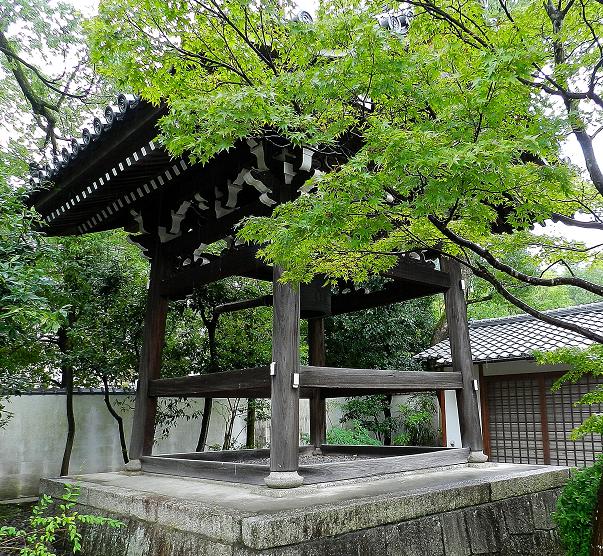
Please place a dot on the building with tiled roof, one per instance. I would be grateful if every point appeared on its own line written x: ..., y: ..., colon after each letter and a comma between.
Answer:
x: 519, y: 336
x: 524, y: 419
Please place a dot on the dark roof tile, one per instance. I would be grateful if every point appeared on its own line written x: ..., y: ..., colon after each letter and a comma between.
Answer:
x: 519, y: 336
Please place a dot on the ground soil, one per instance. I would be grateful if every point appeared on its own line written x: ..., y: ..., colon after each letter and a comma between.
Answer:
x: 13, y: 515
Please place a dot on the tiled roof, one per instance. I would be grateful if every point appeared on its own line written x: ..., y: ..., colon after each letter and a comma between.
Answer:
x: 519, y: 336
x: 100, y: 125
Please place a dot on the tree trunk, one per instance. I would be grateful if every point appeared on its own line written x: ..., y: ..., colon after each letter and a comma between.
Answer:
x: 204, y: 425
x: 596, y: 546
x: 387, y: 412
x: 440, y: 332
x: 229, y: 426
x: 250, y: 432
x: 211, y: 325
x: 68, y: 384
x: 120, y: 421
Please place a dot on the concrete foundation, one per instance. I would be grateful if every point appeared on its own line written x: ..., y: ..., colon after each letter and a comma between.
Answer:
x: 501, y: 509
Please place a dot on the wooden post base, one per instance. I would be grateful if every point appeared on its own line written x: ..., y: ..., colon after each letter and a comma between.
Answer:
x: 285, y: 385
x: 462, y: 361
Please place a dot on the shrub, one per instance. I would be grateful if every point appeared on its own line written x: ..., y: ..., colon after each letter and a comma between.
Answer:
x: 575, y: 509
x: 417, y: 420
x: 51, y: 525
x: 357, y: 435
x: 371, y: 413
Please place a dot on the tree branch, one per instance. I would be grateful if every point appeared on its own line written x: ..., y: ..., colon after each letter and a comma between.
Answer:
x: 483, y: 273
x: 507, y: 269
x: 556, y: 217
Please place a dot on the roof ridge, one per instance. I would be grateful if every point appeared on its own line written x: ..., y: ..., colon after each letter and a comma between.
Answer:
x: 43, y: 173
x: 519, y: 336
x: 77, y: 390
x: 574, y: 309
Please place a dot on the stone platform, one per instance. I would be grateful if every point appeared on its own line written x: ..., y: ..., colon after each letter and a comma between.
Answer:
x: 501, y: 509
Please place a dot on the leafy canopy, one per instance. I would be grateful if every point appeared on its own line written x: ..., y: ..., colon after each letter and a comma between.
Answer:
x: 453, y: 134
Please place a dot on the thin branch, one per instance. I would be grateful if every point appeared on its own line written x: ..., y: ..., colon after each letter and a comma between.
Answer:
x: 507, y: 269
x: 481, y: 271
x: 556, y: 217
x: 560, y: 261
x: 435, y: 11
x: 50, y: 83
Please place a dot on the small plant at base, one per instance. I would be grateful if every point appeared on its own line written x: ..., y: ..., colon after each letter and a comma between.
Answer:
x: 575, y: 509
x: 304, y: 439
x: 356, y: 435
x: 47, y: 529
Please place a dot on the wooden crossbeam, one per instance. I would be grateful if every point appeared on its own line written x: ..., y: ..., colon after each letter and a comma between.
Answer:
x: 409, y: 271
x: 377, y: 460
x: 331, y: 381
x: 311, y: 303
x: 223, y: 384
x: 262, y: 301
x: 391, y: 293
x: 238, y: 262
x: 335, y: 378
x: 215, y: 230
x: 411, y: 280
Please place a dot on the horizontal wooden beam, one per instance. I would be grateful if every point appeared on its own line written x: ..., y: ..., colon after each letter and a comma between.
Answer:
x: 394, y: 292
x: 421, y: 273
x: 233, y: 306
x: 238, y: 262
x: 376, y: 460
x: 335, y: 378
x: 224, y: 384
x: 214, y: 230
x: 331, y: 381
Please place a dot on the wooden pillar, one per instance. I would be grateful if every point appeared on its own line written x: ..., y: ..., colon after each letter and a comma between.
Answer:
x: 284, y: 432
x: 460, y: 348
x: 544, y: 420
x: 143, y: 426
x: 483, y: 398
x: 318, y: 405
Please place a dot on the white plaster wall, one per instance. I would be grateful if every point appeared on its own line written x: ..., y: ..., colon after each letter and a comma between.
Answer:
x: 31, y: 445
x: 453, y: 428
